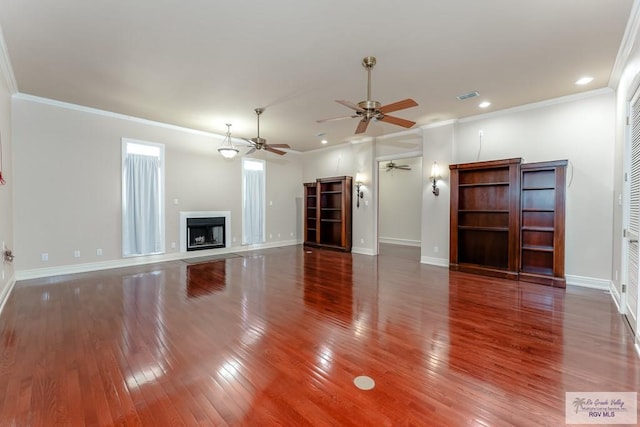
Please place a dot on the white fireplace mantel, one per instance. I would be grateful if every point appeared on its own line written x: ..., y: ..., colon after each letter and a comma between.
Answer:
x: 204, y: 214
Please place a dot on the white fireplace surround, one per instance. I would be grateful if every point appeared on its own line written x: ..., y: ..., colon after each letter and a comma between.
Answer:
x: 204, y: 214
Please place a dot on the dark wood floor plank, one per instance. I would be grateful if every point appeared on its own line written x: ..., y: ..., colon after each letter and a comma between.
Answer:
x: 277, y: 336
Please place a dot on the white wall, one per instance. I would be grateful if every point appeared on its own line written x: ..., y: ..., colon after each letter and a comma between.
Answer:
x: 67, y: 179
x: 67, y: 165
x: 579, y: 129
x: 349, y: 160
x: 7, y: 277
x: 438, y: 142
x: 400, y: 196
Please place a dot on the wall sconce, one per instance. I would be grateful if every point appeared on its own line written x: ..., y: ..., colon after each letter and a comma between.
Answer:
x: 359, y: 193
x: 435, y: 176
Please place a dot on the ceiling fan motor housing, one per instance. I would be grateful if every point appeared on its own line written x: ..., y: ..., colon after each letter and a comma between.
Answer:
x: 369, y: 105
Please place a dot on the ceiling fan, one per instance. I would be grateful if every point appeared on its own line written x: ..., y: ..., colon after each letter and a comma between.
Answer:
x: 372, y: 110
x: 390, y: 166
x: 258, y: 143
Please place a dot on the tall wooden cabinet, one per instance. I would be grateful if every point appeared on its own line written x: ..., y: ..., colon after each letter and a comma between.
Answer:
x: 484, y: 217
x: 328, y: 213
x: 542, y: 222
x: 507, y: 220
x: 310, y: 211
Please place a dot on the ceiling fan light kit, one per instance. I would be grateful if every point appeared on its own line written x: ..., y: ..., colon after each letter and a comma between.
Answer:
x: 370, y: 110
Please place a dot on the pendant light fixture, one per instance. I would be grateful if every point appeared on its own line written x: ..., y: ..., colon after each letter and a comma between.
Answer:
x: 227, y: 149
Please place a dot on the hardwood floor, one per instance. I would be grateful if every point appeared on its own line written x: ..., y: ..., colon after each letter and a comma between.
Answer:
x: 276, y: 337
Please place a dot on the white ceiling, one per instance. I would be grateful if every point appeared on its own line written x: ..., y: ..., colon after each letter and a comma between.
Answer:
x: 202, y: 63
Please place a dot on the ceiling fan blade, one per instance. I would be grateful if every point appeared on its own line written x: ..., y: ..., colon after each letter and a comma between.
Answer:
x: 252, y: 150
x: 400, y: 105
x: 397, y: 121
x: 404, y: 168
x: 251, y: 143
x: 336, y: 118
x: 279, y: 145
x: 362, y: 126
x: 273, y: 150
x: 349, y: 104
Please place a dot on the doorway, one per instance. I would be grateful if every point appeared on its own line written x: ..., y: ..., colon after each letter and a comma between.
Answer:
x: 400, y: 207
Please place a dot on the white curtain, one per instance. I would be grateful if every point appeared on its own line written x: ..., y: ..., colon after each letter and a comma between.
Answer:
x: 253, y: 214
x: 141, y: 228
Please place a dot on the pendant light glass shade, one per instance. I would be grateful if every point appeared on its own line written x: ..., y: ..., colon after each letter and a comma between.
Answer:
x: 227, y: 149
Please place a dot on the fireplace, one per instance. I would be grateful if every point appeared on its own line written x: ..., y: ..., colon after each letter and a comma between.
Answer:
x: 204, y: 230
x: 205, y: 233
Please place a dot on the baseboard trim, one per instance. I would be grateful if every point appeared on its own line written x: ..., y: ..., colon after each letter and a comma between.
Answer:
x: 440, y: 262
x: 7, y: 291
x: 615, y: 295
x: 362, y: 251
x: 588, y: 282
x: 135, y: 261
x: 404, y: 242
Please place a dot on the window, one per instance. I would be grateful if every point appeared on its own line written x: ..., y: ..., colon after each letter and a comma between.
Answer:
x: 142, y: 198
x: 253, y: 201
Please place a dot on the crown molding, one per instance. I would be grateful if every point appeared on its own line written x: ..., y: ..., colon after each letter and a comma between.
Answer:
x: 540, y: 104
x: 90, y: 110
x: 410, y: 132
x: 440, y: 124
x: 626, y: 45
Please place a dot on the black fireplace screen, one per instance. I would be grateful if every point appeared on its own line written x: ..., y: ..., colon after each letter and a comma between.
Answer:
x: 205, y: 233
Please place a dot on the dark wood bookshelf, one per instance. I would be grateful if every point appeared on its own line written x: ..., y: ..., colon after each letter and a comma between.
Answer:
x: 507, y: 219
x: 328, y: 213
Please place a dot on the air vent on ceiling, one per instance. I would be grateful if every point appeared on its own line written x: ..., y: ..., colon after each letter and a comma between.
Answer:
x: 468, y: 95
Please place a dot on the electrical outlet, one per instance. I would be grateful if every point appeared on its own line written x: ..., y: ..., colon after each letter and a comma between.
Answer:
x: 76, y: 254
x: 361, y: 240
x: 44, y: 256
x: 436, y: 249
x: 99, y: 252
x: 173, y: 245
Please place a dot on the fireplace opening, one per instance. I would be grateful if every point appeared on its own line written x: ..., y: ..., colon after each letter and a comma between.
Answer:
x: 205, y: 233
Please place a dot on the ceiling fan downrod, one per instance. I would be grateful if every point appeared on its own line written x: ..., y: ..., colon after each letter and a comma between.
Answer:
x: 258, y: 112
x: 368, y: 63
x: 369, y: 106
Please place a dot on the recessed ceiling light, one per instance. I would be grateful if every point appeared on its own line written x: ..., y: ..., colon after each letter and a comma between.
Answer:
x: 584, y: 80
x: 484, y: 104
x: 324, y: 141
